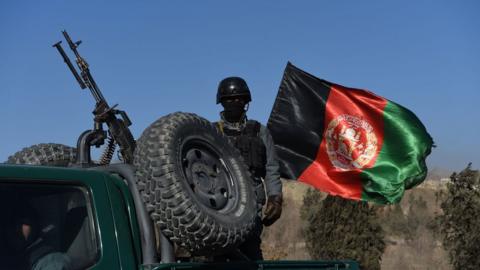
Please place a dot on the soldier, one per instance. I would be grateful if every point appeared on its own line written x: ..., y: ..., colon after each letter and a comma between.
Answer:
x: 30, y: 244
x: 255, y: 143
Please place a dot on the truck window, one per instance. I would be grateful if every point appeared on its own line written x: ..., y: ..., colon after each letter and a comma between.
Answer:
x: 45, y: 225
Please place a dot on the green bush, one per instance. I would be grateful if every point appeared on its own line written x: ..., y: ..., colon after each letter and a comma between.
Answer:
x: 460, y: 222
x: 337, y: 228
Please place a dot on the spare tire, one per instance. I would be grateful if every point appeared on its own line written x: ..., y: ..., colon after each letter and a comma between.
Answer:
x: 46, y: 154
x: 196, y: 188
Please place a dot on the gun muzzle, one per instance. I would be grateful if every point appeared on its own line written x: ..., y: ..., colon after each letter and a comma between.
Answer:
x: 69, y: 64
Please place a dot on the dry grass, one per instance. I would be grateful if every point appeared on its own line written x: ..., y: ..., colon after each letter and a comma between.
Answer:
x: 284, y: 240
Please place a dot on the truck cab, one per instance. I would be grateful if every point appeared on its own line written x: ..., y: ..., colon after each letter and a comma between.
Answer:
x: 91, y: 219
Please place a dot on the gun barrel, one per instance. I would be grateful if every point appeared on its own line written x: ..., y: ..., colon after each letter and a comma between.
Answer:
x: 72, y: 45
x: 85, y: 77
x: 69, y: 64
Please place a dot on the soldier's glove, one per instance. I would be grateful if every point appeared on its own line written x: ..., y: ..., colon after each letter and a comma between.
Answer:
x: 273, y: 210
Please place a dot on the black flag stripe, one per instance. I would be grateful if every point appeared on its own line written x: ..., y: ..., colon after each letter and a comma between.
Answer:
x: 297, y: 121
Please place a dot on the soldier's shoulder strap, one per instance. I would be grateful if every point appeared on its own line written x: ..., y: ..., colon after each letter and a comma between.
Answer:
x: 252, y: 128
x: 219, y: 125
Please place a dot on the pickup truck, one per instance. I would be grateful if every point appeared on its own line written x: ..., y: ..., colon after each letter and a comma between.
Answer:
x: 94, y: 218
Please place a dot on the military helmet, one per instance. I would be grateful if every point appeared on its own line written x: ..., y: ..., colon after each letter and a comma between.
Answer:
x: 233, y: 87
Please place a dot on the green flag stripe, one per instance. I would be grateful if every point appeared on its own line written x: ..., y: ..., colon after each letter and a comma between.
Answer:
x: 400, y: 164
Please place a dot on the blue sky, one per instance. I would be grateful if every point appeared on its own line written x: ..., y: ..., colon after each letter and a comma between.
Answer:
x: 157, y: 57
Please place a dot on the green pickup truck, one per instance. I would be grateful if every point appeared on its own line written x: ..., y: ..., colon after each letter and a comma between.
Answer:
x: 95, y: 219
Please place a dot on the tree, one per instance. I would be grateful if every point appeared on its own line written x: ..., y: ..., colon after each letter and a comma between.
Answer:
x: 337, y: 228
x: 460, y: 222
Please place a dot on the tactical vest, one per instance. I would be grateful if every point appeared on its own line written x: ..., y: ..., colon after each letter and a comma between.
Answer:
x: 250, y: 145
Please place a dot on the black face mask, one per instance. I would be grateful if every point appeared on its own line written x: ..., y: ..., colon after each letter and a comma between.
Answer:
x: 233, y: 111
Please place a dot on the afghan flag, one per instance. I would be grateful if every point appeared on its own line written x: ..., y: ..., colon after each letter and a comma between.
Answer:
x: 345, y: 141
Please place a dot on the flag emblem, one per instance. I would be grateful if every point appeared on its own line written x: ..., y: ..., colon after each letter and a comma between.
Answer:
x: 351, y: 142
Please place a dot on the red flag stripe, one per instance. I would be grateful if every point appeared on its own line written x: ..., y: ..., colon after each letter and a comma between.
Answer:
x: 321, y: 173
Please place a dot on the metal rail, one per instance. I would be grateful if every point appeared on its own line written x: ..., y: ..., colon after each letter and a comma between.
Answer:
x: 149, y: 254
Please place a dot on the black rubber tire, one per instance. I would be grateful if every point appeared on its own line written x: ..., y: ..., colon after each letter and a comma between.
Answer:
x: 201, y: 204
x: 45, y: 154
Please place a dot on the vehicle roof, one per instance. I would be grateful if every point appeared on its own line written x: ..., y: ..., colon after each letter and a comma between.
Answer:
x: 12, y: 172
